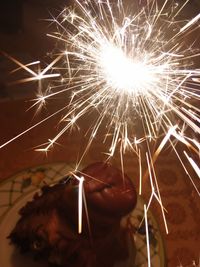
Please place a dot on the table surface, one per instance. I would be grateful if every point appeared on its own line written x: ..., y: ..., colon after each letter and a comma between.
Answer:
x: 178, y: 195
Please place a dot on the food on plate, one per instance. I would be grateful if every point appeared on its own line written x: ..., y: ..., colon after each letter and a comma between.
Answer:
x: 48, y: 224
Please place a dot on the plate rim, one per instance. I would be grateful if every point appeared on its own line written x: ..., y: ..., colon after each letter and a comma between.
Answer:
x: 36, y: 187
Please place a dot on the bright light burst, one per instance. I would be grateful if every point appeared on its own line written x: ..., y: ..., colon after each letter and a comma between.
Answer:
x: 136, y: 70
x: 135, y: 67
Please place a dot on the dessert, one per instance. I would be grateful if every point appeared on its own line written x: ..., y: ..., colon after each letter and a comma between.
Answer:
x: 48, y: 224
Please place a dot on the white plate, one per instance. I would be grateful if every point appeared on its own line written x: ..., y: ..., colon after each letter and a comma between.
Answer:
x: 20, y: 188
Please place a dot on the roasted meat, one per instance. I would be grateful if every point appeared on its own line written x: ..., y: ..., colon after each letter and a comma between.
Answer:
x: 48, y: 224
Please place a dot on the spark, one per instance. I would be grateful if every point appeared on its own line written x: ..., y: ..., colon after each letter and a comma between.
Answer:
x: 32, y: 127
x: 140, y: 173
x: 147, y: 236
x: 190, y: 23
x: 193, y: 164
x: 80, y: 206
x: 80, y: 201
x: 155, y: 192
x: 34, y: 75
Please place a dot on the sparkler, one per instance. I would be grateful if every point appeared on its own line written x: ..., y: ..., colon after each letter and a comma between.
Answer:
x: 126, y: 67
x: 136, y: 70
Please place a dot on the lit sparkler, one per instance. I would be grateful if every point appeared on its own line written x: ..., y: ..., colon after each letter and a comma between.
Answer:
x: 135, y: 70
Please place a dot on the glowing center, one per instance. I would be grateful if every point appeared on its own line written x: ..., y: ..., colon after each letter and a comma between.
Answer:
x: 123, y: 73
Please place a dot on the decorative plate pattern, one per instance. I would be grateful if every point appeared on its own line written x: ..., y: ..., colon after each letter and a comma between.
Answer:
x: 19, y: 189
